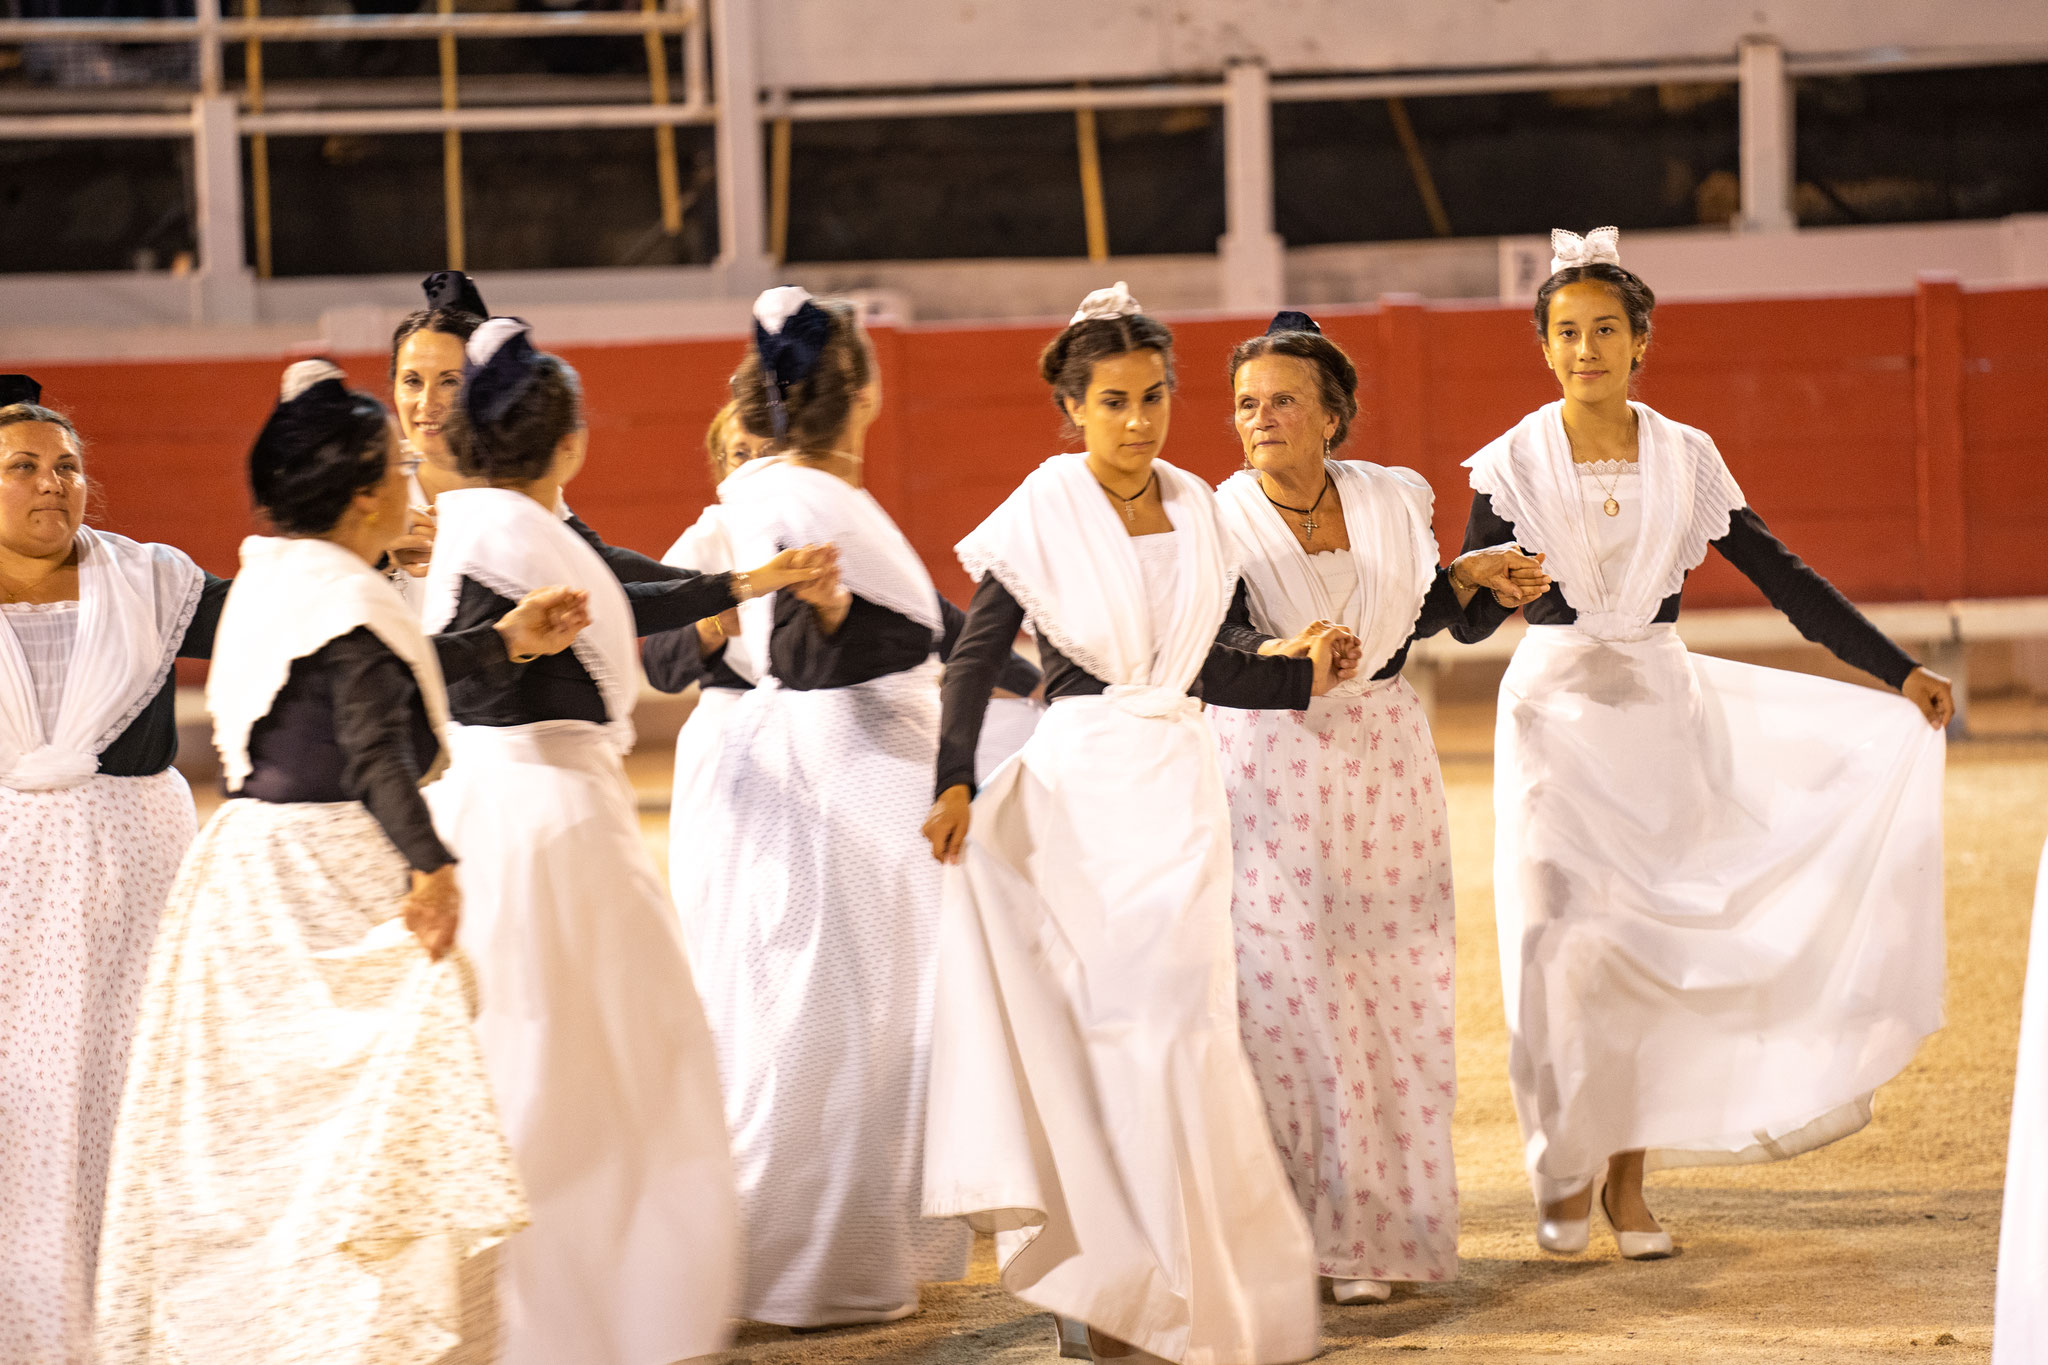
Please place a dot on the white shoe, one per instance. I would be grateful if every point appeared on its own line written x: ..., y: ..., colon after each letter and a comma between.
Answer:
x: 1565, y: 1236
x: 1636, y: 1246
x: 1360, y: 1291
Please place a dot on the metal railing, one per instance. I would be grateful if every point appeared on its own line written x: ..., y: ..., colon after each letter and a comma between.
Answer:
x: 211, y: 30
x: 754, y: 209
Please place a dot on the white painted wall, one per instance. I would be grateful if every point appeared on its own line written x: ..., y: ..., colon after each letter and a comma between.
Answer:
x: 876, y: 43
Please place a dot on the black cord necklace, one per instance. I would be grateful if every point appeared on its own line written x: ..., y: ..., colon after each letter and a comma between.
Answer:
x: 1308, y: 513
x: 1130, y: 503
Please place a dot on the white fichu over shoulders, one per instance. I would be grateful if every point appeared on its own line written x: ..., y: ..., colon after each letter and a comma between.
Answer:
x: 1387, y: 515
x: 1688, y: 497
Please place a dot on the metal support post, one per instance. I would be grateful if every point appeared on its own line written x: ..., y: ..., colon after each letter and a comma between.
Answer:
x: 224, y: 288
x: 1250, y: 254
x: 742, y: 190
x: 1766, y: 132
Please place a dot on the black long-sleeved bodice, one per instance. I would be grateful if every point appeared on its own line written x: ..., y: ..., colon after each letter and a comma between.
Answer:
x: 349, y: 725
x: 1440, y: 612
x: 1230, y: 677
x: 150, y: 742
x: 557, y: 686
x: 1813, y: 605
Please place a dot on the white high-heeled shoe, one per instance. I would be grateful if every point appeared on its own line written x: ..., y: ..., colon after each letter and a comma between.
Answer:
x: 1566, y: 1236
x: 1360, y: 1291
x: 1635, y: 1246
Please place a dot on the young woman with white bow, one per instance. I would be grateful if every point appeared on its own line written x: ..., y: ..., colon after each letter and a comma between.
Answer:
x: 1718, y: 887
x: 1090, y: 1096
x: 597, y: 1046
x: 816, y: 935
x: 1342, y: 903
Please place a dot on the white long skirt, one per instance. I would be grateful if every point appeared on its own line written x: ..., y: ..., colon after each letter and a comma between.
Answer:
x: 817, y: 945
x: 692, y: 812
x: 2021, y: 1333
x: 598, y: 1055
x: 1345, y: 960
x: 1719, y: 892
x: 83, y: 876
x: 1090, y: 1096
x: 308, y: 1149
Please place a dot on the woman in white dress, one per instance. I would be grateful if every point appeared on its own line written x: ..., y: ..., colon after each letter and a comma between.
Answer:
x: 1342, y: 903
x: 591, y: 1028
x: 1091, y: 1100
x: 93, y: 820
x: 709, y: 653
x: 817, y: 933
x: 308, y: 1149
x: 1718, y: 887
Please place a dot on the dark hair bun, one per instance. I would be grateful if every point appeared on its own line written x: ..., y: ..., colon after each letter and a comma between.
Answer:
x: 324, y: 443
x: 835, y: 365
x: 517, y: 444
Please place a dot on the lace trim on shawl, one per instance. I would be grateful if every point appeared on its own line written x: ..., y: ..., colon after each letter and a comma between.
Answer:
x: 176, y: 637
x: 587, y: 653
x: 1042, y: 622
x: 1710, y: 521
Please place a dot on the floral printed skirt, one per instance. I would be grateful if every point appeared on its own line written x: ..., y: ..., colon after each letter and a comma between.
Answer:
x: 1345, y: 949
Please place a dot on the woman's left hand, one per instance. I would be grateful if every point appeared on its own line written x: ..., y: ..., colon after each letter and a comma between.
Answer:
x: 1336, y: 654
x: 546, y: 621
x: 1513, y: 577
x: 1933, y: 694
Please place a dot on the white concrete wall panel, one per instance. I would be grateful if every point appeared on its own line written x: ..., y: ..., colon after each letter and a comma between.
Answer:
x: 808, y: 44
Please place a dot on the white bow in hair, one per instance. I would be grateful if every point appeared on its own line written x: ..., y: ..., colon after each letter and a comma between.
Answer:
x: 1600, y: 246
x: 778, y: 305
x: 1113, y: 302
x: 485, y: 340
x: 301, y: 375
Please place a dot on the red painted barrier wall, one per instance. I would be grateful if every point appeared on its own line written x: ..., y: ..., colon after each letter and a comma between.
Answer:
x: 1899, y: 443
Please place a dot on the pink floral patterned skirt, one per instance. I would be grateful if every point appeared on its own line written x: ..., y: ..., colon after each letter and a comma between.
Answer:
x: 1342, y: 908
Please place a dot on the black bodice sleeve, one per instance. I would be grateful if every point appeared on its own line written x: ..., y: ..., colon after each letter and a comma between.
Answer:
x: 150, y: 742
x: 1230, y: 676
x: 1813, y: 605
x: 1440, y: 612
x: 674, y: 659
x: 557, y: 686
x: 350, y: 725
x: 872, y: 642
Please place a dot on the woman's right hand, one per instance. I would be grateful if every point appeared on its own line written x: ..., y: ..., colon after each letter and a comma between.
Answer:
x: 433, y: 909
x: 946, y: 825
x: 1336, y: 654
x: 793, y: 569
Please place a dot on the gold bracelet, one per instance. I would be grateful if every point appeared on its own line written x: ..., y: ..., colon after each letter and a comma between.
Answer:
x: 742, y: 586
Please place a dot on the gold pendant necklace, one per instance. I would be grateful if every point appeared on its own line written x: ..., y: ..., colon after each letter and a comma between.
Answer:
x: 1611, y: 507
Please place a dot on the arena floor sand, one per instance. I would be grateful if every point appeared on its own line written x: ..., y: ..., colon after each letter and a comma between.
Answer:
x: 1879, y: 1248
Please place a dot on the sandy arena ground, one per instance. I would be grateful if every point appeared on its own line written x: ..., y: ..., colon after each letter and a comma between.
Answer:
x: 1879, y: 1248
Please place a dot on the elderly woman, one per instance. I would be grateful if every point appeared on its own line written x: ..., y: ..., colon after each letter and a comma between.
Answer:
x: 95, y: 821
x: 304, y: 1073
x: 1342, y: 904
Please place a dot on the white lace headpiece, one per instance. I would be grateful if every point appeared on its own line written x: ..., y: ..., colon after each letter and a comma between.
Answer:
x: 1600, y: 246
x: 304, y: 374
x: 1113, y: 302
